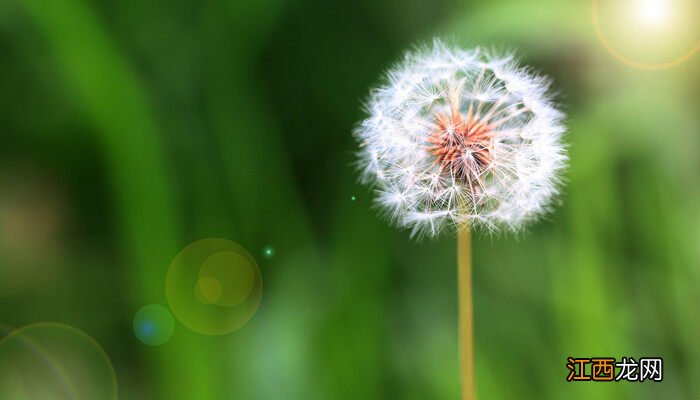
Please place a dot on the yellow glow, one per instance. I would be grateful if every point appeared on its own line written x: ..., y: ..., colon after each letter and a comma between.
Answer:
x: 648, y: 34
x: 654, y: 13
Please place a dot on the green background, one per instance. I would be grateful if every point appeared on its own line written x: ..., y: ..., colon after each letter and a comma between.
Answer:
x: 130, y: 129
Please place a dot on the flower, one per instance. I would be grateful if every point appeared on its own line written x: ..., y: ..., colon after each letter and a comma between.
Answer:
x: 462, y: 138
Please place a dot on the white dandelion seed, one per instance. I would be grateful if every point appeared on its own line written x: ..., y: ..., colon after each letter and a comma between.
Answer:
x: 459, y: 137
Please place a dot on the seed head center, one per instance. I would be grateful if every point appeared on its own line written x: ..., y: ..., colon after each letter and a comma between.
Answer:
x: 461, y: 145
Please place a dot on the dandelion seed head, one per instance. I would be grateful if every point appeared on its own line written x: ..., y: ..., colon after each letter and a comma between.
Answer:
x: 462, y: 138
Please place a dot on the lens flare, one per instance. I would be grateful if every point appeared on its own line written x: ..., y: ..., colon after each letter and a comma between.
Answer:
x: 653, y: 12
x: 154, y: 325
x: 648, y: 34
x: 208, y: 290
x: 54, y: 361
x: 214, y: 286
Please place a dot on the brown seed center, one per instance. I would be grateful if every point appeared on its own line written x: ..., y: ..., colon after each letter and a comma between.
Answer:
x: 462, y: 145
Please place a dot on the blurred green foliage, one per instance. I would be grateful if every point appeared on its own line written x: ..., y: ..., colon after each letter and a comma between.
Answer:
x: 131, y: 129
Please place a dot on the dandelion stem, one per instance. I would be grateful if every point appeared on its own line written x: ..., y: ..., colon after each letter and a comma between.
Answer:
x: 466, y: 313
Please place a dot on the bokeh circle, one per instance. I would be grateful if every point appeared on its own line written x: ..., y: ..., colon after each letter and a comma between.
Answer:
x: 154, y: 325
x: 51, y: 361
x: 214, y: 286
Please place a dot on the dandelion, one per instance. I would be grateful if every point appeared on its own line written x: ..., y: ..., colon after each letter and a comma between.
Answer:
x: 462, y: 139
x: 459, y: 138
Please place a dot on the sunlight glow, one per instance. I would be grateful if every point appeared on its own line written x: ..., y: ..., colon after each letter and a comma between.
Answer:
x: 653, y: 12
